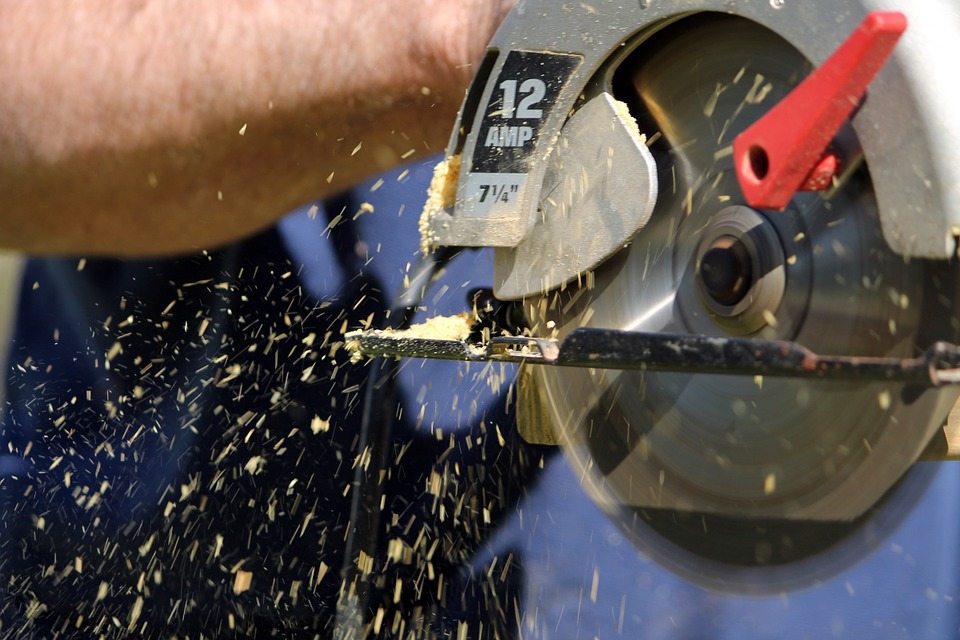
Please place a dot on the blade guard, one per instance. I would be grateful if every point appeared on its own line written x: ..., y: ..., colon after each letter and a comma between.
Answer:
x: 908, y: 129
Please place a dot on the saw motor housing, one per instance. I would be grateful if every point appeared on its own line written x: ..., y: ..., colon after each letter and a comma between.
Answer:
x: 541, y: 104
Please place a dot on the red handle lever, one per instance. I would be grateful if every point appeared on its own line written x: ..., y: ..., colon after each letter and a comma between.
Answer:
x: 783, y: 152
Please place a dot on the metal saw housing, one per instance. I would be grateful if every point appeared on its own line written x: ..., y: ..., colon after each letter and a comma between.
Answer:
x: 555, y: 55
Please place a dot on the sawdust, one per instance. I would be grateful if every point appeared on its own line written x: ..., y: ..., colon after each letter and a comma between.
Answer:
x: 219, y: 356
x: 319, y: 425
x: 624, y: 112
x: 456, y: 327
x: 242, y: 581
x: 441, y: 195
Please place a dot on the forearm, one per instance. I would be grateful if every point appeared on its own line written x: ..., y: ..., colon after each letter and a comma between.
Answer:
x: 158, y: 126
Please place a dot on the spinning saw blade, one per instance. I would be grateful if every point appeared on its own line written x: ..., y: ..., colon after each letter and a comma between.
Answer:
x: 819, y: 274
x: 737, y: 467
x: 626, y: 186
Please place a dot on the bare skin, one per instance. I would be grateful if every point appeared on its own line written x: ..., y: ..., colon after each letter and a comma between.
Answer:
x: 151, y: 127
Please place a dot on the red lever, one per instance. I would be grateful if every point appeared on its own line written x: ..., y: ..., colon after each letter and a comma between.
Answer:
x: 783, y: 152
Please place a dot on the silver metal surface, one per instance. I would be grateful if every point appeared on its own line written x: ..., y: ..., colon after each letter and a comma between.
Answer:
x: 599, y: 189
x: 750, y: 448
x: 908, y: 129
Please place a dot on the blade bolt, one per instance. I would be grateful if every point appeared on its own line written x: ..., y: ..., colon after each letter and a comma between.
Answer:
x: 726, y: 271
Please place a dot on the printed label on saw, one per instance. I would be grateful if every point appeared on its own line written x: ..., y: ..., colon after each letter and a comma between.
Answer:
x: 522, y: 98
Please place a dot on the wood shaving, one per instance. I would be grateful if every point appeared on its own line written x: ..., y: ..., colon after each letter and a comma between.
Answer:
x: 255, y: 465
x: 242, y: 581
x: 319, y: 425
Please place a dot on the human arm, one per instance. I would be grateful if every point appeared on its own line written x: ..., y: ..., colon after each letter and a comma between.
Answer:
x: 147, y: 127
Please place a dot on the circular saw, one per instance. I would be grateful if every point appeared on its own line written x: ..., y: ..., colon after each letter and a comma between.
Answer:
x: 731, y: 227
